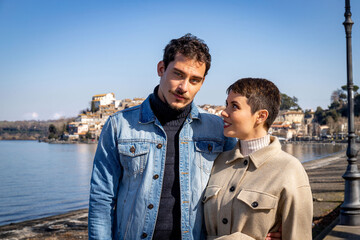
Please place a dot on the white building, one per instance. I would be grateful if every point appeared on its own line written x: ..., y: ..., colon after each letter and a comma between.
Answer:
x: 103, y: 99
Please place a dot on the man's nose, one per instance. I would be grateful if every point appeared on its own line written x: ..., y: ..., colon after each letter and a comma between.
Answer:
x: 184, y: 86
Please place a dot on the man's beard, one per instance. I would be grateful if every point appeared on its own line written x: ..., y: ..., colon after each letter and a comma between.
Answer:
x: 174, y: 107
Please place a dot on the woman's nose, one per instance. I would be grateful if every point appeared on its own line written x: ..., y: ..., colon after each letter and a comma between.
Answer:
x: 224, y: 113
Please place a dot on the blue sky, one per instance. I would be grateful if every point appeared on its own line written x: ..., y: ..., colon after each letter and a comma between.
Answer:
x: 56, y: 54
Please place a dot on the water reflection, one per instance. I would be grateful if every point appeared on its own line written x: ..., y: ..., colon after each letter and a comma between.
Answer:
x: 307, y: 152
x: 40, y: 179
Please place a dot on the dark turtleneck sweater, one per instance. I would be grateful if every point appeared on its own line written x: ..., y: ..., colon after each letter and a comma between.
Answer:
x: 168, y: 223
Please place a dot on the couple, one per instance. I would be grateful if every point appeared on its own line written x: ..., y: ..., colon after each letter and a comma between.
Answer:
x: 155, y: 175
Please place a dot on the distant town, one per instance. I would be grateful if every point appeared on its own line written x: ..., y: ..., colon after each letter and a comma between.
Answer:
x: 289, y: 125
x: 292, y: 123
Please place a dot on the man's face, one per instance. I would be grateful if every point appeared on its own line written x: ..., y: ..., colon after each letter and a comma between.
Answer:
x: 181, y: 80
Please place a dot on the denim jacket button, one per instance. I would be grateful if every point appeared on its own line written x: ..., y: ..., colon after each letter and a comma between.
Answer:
x: 144, y: 235
x: 209, y: 147
x: 159, y: 146
x: 155, y: 176
x: 132, y: 149
x: 150, y: 206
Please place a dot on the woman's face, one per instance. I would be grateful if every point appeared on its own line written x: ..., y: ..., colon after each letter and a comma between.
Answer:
x: 239, y: 122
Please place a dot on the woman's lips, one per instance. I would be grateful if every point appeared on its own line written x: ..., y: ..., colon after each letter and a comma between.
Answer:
x: 226, y: 124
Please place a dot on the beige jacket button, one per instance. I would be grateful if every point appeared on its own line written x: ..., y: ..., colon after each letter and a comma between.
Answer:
x: 246, y: 162
x: 255, y: 204
x: 224, y: 221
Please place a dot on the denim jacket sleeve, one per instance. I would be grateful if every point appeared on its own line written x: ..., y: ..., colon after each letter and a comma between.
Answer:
x: 106, y: 174
x: 229, y: 143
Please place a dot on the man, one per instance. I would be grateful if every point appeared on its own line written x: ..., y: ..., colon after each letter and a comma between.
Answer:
x: 153, y: 161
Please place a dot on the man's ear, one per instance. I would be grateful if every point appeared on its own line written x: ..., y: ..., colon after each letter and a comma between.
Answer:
x: 262, y: 116
x: 161, y: 68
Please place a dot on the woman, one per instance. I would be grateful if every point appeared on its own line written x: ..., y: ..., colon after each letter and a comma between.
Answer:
x: 256, y: 188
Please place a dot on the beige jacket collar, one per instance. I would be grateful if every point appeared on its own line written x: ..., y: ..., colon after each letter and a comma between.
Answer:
x: 259, y: 157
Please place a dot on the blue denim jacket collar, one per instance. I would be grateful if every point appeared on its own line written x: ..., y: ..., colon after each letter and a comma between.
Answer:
x: 148, y: 116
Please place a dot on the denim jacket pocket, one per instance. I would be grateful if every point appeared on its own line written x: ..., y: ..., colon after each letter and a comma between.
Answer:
x: 257, y: 200
x: 210, y: 192
x: 207, y: 151
x: 133, y: 156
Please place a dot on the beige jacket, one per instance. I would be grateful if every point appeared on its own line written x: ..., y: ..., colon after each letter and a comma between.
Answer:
x: 248, y: 197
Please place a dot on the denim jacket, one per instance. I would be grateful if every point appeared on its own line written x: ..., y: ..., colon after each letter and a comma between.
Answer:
x: 129, y: 167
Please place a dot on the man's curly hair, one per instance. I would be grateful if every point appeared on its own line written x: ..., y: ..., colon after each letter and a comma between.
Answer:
x: 191, y: 47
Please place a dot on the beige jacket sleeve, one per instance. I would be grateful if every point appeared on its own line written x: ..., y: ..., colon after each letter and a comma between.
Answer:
x: 296, y: 213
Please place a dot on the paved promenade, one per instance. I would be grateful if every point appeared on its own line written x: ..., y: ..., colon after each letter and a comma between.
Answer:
x: 325, y: 179
x: 328, y: 191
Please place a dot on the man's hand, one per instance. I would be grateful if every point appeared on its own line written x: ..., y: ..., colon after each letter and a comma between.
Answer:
x: 274, y: 235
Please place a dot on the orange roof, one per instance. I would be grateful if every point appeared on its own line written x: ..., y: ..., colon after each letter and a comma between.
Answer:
x: 99, y: 95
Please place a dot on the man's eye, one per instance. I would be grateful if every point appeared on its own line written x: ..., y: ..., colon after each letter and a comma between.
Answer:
x: 235, y: 107
x: 177, y: 74
x: 195, y: 80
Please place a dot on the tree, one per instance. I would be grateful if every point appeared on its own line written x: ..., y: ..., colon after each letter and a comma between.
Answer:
x: 93, y: 108
x: 52, y: 131
x: 338, y: 96
x: 84, y: 111
x: 289, y: 102
x: 355, y: 88
x: 320, y: 116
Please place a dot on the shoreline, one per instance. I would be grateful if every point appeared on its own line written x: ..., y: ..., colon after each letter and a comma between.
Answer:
x: 326, y: 182
x: 71, y: 225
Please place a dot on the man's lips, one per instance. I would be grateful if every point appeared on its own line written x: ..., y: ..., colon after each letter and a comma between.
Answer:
x: 226, y: 124
x: 179, y: 97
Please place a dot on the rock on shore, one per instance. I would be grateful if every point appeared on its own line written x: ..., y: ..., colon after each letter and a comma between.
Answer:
x: 72, y: 225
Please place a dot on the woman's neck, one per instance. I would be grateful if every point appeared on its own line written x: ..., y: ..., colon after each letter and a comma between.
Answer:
x: 249, y: 146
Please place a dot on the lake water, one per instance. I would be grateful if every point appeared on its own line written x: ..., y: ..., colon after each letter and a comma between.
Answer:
x: 41, y: 179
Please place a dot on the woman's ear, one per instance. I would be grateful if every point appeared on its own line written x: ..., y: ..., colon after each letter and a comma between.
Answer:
x: 262, y: 116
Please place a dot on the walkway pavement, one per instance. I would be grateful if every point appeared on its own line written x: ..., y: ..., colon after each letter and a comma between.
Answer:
x: 343, y: 232
x: 327, y: 184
